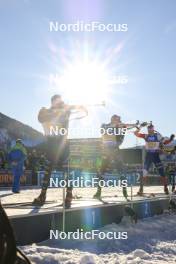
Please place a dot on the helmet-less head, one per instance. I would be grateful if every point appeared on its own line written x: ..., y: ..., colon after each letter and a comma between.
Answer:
x: 151, y: 129
x: 56, y: 101
x: 115, y: 120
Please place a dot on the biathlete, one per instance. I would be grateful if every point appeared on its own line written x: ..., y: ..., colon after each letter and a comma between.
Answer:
x: 57, y: 146
x: 154, y: 142
x: 113, y: 135
x: 169, y: 159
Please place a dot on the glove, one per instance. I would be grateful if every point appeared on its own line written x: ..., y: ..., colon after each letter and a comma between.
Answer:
x: 172, y: 137
x: 143, y: 124
x: 137, y: 122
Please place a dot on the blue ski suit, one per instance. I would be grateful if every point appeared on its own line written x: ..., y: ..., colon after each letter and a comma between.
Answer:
x: 16, y: 157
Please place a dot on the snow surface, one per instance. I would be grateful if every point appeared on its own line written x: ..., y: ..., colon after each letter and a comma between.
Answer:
x: 150, y: 241
x: 27, y: 194
x: 56, y: 194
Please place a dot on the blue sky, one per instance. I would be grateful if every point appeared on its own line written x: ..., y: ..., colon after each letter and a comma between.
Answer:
x: 146, y: 54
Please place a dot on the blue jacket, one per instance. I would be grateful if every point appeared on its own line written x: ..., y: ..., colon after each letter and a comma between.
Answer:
x: 18, y: 154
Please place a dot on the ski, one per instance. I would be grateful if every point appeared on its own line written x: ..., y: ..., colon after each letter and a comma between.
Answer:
x: 146, y: 195
x: 24, y: 204
x: 44, y: 207
x: 100, y: 200
x: 6, y: 194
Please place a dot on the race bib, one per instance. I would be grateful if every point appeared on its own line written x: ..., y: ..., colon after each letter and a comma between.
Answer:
x: 152, y: 145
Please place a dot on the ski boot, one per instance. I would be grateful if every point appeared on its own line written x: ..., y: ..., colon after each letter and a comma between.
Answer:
x: 125, y: 194
x: 173, y: 189
x: 16, y: 192
x: 141, y: 191
x: 40, y: 200
x: 164, y: 182
x: 97, y: 195
x: 166, y: 190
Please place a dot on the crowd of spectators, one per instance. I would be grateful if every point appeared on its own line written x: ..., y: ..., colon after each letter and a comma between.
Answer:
x: 36, y: 161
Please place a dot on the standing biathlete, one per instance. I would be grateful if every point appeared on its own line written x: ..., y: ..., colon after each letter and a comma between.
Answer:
x: 113, y: 135
x: 169, y: 160
x: 154, y: 142
x: 56, y: 118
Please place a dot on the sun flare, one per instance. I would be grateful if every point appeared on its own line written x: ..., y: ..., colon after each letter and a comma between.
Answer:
x: 84, y: 82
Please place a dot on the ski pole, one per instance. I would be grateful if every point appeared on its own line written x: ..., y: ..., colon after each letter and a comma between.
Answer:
x: 63, y: 218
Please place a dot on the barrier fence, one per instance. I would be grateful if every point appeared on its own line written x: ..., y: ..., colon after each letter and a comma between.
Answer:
x: 132, y: 178
x: 6, y: 178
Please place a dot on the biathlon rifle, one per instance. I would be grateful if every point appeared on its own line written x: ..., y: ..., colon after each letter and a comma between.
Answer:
x: 143, y: 124
x: 84, y: 110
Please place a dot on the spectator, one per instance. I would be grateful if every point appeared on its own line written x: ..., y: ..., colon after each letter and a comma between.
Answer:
x: 33, y: 159
x: 2, y: 159
x: 17, y: 157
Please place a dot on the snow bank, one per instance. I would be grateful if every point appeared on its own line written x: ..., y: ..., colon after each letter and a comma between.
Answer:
x: 150, y: 241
